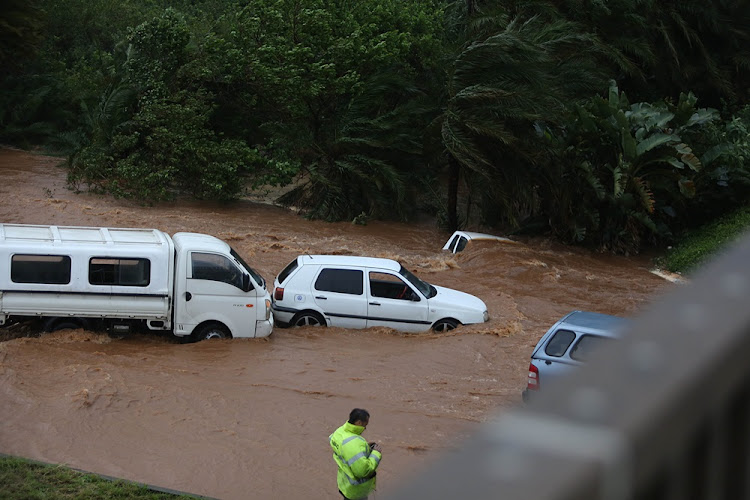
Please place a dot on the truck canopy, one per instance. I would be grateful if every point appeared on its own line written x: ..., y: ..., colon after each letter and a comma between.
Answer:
x: 85, y: 260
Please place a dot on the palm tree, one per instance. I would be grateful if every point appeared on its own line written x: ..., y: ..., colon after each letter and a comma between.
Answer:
x: 21, y: 32
x: 511, y: 72
x: 665, y: 47
x: 366, y: 164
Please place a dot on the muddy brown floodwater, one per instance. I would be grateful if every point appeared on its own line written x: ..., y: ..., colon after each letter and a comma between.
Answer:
x: 250, y: 418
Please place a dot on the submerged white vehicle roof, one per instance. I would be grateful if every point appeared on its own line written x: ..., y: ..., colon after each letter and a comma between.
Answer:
x: 467, y: 236
x: 349, y: 260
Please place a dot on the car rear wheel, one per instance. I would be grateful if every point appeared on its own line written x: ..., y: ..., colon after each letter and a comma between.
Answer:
x: 308, y: 318
x: 443, y: 325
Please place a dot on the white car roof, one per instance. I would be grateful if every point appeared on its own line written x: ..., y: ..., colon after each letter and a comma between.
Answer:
x: 349, y: 260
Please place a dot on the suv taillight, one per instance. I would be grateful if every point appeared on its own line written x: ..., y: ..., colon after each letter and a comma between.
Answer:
x: 533, y: 383
x: 278, y: 293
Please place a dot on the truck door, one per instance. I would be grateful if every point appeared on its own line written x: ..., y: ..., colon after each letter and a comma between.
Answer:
x: 214, y: 293
x: 392, y: 302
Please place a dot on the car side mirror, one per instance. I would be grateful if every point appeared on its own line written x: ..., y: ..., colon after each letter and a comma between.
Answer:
x: 246, y: 285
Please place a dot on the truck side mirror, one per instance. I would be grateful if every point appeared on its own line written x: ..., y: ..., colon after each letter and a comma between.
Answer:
x: 246, y: 285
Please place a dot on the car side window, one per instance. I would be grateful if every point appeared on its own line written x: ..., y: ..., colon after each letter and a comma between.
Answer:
x: 388, y: 286
x: 348, y: 281
x: 559, y: 343
x: 212, y: 267
x: 585, y: 347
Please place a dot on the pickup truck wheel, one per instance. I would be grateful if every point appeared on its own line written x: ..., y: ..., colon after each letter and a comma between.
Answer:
x: 63, y: 324
x: 443, y: 325
x: 308, y: 318
x: 211, y: 331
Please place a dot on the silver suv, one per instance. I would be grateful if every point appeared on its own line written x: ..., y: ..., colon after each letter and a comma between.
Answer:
x: 569, y: 343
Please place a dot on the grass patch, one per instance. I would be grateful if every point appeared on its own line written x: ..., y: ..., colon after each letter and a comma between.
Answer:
x: 703, y: 243
x: 24, y: 479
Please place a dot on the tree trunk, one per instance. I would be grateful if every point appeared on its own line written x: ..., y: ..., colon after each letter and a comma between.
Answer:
x: 453, y: 173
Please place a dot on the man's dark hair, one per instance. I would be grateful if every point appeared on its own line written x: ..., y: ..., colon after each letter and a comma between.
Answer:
x: 358, y: 414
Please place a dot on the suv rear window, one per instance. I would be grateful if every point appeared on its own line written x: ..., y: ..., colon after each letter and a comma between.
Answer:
x: 559, y: 343
x: 586, y: 346
x: 287, y: 271
x: 340, y: 281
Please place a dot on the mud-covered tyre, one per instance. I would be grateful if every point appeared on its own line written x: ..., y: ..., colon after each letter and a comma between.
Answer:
x: 209, y: 332
x: 308, y: 318
x: 61, y: 324
x: 444, y: 325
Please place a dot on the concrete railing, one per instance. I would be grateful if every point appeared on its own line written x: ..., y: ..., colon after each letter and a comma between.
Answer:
x: 662, y: 414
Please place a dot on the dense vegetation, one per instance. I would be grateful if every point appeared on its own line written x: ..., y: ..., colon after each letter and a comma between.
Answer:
x: 34, y: 481
x: 706, y: 242
x: 616, y: 124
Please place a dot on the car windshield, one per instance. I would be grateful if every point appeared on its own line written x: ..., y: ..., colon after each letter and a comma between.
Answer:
x: 427, y: 290
x: 257, y: 277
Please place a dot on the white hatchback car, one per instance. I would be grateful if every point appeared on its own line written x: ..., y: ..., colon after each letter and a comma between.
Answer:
x: 362, y: 292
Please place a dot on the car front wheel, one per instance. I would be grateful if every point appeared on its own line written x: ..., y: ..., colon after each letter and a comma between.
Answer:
x: 443, y: 325
x: 211, y: 331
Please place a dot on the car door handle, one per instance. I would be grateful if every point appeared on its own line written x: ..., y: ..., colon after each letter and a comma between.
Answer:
x: 188, y: 296
x: 548, y: 362
x: 320, y: 297
x: 374, y: 303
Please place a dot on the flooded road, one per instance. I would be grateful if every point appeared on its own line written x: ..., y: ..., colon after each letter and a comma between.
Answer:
x: 250, y: 418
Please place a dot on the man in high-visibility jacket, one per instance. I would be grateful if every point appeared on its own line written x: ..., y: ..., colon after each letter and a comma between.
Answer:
x: 357, y: 459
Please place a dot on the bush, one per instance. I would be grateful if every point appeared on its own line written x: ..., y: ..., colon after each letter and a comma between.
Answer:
x: 705, y: 242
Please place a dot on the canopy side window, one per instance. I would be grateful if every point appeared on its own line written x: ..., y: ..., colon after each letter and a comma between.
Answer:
x: 119, y: 271
x: 41, y: 269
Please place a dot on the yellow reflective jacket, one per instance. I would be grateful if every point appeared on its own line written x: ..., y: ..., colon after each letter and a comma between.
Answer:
x: 356, y: 461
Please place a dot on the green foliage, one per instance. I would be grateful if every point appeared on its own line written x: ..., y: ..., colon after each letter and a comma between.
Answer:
x: 363, y: 106
x: 150, y: 136
x: 20, y: 32
x: 706, y: 241
x: 510, y: 73
x: 29, y: 480
x: 724, y: 182
x: 337, y: 98
x: 667, y: 48
x: 631, y: 167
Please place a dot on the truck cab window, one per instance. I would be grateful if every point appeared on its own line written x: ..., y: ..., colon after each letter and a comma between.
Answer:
x: 212, y: 267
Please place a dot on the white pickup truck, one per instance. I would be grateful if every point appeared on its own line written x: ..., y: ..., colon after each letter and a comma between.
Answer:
x: 194, y: 285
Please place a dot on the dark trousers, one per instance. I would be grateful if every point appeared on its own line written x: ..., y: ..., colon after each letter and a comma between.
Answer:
x: 345, y: 498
